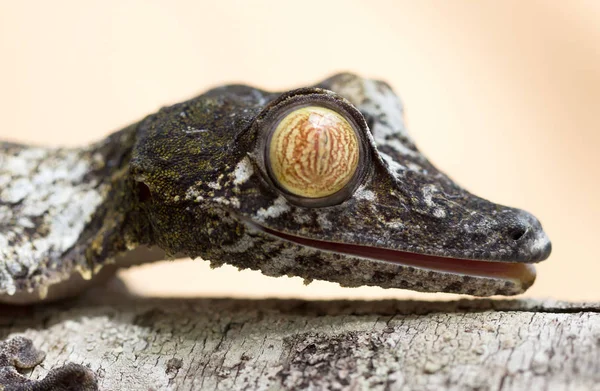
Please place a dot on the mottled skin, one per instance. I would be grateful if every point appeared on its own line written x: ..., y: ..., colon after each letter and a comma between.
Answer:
x: 192, y: 180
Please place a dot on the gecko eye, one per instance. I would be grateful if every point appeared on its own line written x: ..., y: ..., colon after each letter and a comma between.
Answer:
x: 313, y: 152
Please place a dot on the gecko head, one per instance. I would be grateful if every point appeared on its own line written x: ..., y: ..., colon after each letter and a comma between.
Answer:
x: 324, y: 183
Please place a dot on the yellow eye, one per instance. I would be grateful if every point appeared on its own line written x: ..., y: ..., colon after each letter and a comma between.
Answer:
x: 313, y: 152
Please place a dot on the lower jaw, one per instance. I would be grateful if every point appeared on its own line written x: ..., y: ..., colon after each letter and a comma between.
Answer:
x: 522, y: 273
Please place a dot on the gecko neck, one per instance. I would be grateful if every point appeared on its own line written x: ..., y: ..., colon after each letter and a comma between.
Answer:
x: 79, y: 213
x: 118, y: 224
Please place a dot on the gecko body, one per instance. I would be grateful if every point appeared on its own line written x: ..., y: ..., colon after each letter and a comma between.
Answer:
x: 321, y: 182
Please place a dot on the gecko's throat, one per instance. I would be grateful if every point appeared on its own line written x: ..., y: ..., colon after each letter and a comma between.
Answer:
x: 521, y: 272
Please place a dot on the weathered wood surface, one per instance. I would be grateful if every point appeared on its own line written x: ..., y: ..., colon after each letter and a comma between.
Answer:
x: 207, y: 344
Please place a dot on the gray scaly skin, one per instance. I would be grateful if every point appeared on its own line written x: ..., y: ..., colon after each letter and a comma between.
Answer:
x: 191, y: 180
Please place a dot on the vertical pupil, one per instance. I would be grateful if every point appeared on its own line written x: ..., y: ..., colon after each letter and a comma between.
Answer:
x: 313, y: 152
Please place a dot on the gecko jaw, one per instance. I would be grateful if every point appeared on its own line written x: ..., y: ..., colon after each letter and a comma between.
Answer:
x: 522, y: 273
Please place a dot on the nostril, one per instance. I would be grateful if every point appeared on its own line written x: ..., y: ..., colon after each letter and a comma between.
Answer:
x: 517, y: 233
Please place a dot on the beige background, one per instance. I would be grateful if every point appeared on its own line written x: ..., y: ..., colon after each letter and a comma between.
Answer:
x: 504, y: 96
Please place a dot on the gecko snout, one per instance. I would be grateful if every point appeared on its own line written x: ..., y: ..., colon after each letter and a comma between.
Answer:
x: 532, y: 242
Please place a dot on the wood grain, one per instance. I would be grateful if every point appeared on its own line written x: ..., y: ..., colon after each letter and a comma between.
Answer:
x: 227, y: 344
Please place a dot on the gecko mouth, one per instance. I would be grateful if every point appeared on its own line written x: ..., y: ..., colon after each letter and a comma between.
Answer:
x: 521, y: 272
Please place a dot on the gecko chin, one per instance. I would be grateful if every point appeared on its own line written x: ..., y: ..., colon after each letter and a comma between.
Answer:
x: 494, y: 276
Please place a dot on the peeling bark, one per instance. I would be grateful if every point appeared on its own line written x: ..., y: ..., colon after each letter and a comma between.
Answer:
x: 226, y: 344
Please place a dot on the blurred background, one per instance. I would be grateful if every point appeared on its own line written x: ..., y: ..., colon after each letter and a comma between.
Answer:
x: 503, y: 96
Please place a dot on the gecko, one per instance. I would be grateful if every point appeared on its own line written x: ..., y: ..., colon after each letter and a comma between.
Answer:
x: 321, y: 182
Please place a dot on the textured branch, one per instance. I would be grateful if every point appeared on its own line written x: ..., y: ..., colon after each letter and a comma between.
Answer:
x: 144, y: 344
